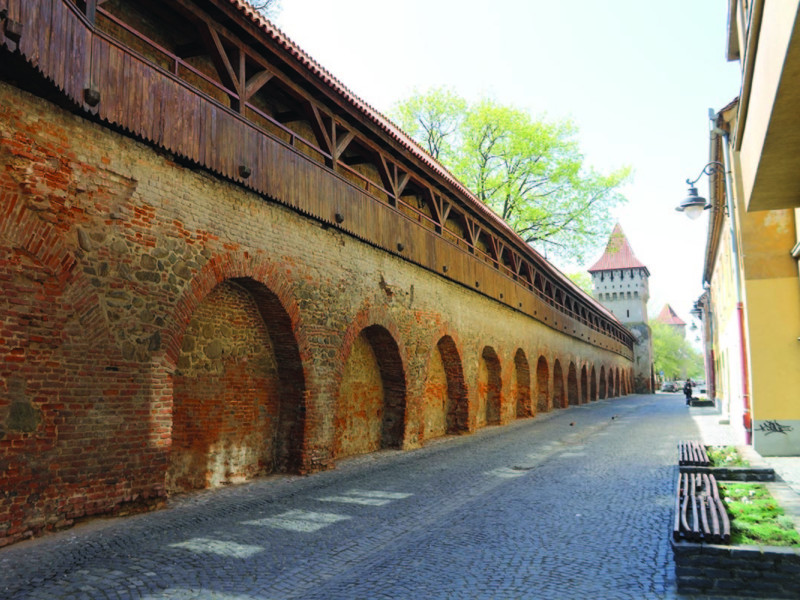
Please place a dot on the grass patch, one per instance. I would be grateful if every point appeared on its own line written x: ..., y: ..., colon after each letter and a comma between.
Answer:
x: 726, y: 456
x: 756, y: 518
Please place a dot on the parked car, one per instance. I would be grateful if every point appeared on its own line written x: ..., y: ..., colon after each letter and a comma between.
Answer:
x: 669, y: 386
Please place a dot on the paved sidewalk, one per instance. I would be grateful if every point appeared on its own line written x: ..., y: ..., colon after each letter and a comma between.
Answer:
x: 715, y: 433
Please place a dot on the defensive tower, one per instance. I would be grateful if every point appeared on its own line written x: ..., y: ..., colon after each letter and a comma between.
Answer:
x: 620, y: 283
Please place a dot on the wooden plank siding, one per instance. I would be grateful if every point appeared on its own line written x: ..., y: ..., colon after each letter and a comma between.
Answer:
x: 155, y: 105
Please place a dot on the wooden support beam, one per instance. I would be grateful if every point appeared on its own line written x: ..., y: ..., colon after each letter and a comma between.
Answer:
x: 444, y: 209
x: 495, y: 248
x: 91, y: 10
x: 222, y: 62
x: 516, y: 258
x: 402, y: 178
x: 341, y: 142
x: 433, y: 201
x: 473, y: 229
x: 241, y: 78
x: 394, y: 178
x: 321, y: 125
x: 256, y: 82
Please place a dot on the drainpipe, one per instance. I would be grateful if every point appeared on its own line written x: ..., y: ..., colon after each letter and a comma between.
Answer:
x: 747, y: 416
x: 704, y: 305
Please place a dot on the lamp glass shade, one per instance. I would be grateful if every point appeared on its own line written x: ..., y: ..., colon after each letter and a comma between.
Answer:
x: 693, y: 205
x: 693, y: 211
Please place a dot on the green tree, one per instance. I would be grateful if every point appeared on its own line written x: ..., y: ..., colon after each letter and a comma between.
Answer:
x: 672, y: 353
x: 529, y: 171
x: 582, y: 279
x: 433, y: 119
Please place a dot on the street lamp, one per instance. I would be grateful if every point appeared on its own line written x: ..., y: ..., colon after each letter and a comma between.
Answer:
x: 695, y: 204
x: 697, y: 312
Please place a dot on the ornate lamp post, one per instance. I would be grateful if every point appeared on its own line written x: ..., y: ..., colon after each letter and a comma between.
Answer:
x: 695, y: 204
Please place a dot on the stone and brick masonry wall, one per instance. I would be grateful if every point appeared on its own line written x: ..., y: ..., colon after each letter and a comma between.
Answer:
x: 737, y: 570
x: 164, y: 330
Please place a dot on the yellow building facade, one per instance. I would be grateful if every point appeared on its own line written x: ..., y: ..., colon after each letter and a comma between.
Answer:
x: 752, y: 304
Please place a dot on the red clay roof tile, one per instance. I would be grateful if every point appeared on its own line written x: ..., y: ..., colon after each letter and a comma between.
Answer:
x: 669, y: 317
x: 618, y: 254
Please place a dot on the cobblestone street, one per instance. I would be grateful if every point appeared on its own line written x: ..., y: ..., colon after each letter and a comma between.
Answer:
x: 571, y: 504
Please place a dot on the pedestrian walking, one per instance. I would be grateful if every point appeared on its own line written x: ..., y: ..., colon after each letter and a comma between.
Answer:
x: 687, y: 390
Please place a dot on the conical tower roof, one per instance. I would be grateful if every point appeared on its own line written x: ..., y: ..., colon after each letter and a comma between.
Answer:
x: 669, y: 317
x: 618, y: 254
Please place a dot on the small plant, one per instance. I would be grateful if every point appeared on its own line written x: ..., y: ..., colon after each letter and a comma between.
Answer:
x: 755, y: 516
x: 727, y: 456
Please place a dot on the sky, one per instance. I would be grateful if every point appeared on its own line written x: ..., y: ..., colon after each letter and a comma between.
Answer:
x: 637, y: 77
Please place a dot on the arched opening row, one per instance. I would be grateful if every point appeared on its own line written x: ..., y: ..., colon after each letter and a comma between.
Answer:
x: 240, y: 399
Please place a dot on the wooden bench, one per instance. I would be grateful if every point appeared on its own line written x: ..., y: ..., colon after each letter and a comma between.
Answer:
x: 700, y: 515
x: 693, y: 454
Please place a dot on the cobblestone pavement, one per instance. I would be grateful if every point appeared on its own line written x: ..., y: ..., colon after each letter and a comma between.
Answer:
x: 572, y: 504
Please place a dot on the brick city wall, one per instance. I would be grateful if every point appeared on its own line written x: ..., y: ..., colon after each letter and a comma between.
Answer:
x: 164, y: 330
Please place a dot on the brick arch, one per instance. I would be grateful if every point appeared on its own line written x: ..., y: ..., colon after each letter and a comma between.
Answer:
x: 232, y: 266
x: 593, y: 385
x: 611, y: 383
x: 522, y: 385
x: 237, y: 390
x: 490, y: 388
x: 373, y: 326
x: 584, y: 385
x: 457, y: 400
x: 603, y: 391
x: 542, y: 385
x: 445, y: 405
x: 272, y: 295
x: 572, y: 385
x: 559, y: 398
